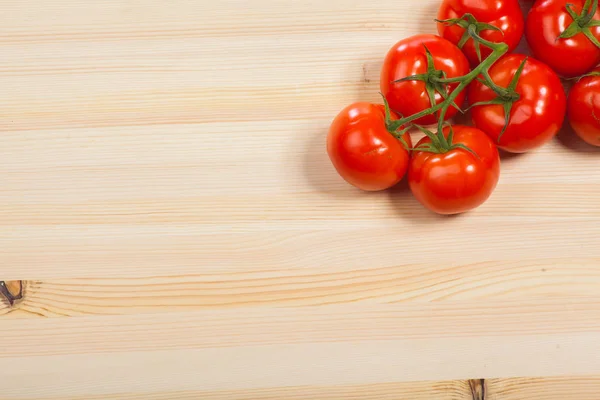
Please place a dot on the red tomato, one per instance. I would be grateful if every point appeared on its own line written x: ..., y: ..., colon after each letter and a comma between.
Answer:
x: 503, y: 14
x: 568, y: 57
x: 362, y: 150
x: 456, y: 181
x: 584, y: 109
x: 408, y: 57
x: 534, y: 118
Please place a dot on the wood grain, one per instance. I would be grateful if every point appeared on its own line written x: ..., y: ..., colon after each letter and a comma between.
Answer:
x: 453, y: 390
x: 288, y: 347
x: 567, y: 388
x: 167, y: 198
x: 566, y: 280
x: 328, y: 345
x: 560, y: 388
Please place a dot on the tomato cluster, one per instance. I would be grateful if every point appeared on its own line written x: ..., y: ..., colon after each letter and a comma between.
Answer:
x: 517, y: 102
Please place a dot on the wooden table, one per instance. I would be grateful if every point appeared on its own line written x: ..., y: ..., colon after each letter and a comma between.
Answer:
x: 166, y: 195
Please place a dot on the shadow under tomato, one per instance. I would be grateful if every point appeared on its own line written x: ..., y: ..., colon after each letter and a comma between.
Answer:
x: 408, y: 207
x: 508, y: 157
x: 319, y: 171
x: 569, y: 139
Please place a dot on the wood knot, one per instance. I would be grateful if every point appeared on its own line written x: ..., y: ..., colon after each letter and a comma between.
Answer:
x: 12, y: 291
x: 477, y: 389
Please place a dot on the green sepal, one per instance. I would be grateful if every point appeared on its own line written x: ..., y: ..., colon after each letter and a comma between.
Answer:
x: 469, y: 23
x: 506, y: 96
x: 515, y: 80
x: 388, y: 113
x: 496, y: 101
x: 462, y: 146
x: 434, y: 81
x: 507, y: 108
x: 403, y: 142
x: 439, y: 143
x: 417, y: 77
x: 571, y: 11
x: 450, y: 135
x: 582, y: 22
x: 578, y: 78
x: 478, y: 50
x: 430, y: 63
x: 400, y: 136
x: 435, y: 140
x: 589, y: 16
x: 444, y: 93
x: 390, y: 126
x: 588, y: 33
x: 427, y: 147
x: 571, y: 31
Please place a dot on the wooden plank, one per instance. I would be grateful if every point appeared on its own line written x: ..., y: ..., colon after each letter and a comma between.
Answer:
x: 100, y: 212
x: 565, y: 388
x: 558, y: 388
x: 353, y: 344
x: 565, y: 279
x: 215, y: 71
x: 166, y: 195
x: 453, y: 390
x: 112, y: 125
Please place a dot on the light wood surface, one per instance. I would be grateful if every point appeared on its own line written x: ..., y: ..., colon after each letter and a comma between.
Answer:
x: 166, y: 195
x: 580, y: 388
x: 414, y: 391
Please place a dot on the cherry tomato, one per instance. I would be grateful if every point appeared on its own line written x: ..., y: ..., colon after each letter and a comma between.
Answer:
x: 362, y: 150
x: 456, y: 181
x: 584, y: 108
x: 503, y: 14
x: 407, y: 58
x: 568, y: 57
x: 534, y: 118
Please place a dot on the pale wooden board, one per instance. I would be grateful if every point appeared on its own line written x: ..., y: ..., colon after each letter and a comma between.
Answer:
x: 266, y: 347
x: 564, y: 281
x: 164, y: 182
x: 563, y: 388
x: 454, y: 390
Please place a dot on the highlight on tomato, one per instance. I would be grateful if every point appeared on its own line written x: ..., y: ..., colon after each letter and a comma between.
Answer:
x: 362, y: 149
x: 565, y: 34
x: 524, y: 108
x: 454, y: 172
x: 494, y: 20
x: 583, y: 108
x: 412, y: 73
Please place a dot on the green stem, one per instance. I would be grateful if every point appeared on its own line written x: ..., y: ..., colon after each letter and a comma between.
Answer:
x: 498, y: 50
x: 588, y: 12
x: 582, y: 23
x: 499, y: 90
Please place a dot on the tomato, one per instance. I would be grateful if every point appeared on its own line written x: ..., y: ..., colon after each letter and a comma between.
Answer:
x: 407, y: 58
x: 584, y: 108
x: 456, y: 181
x: 362, y: 150
x: 503, y: 14
x: 568, y: 57
x: 535, y: 117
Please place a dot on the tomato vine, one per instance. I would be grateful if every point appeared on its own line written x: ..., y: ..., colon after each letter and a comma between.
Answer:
x: 435, y: 80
